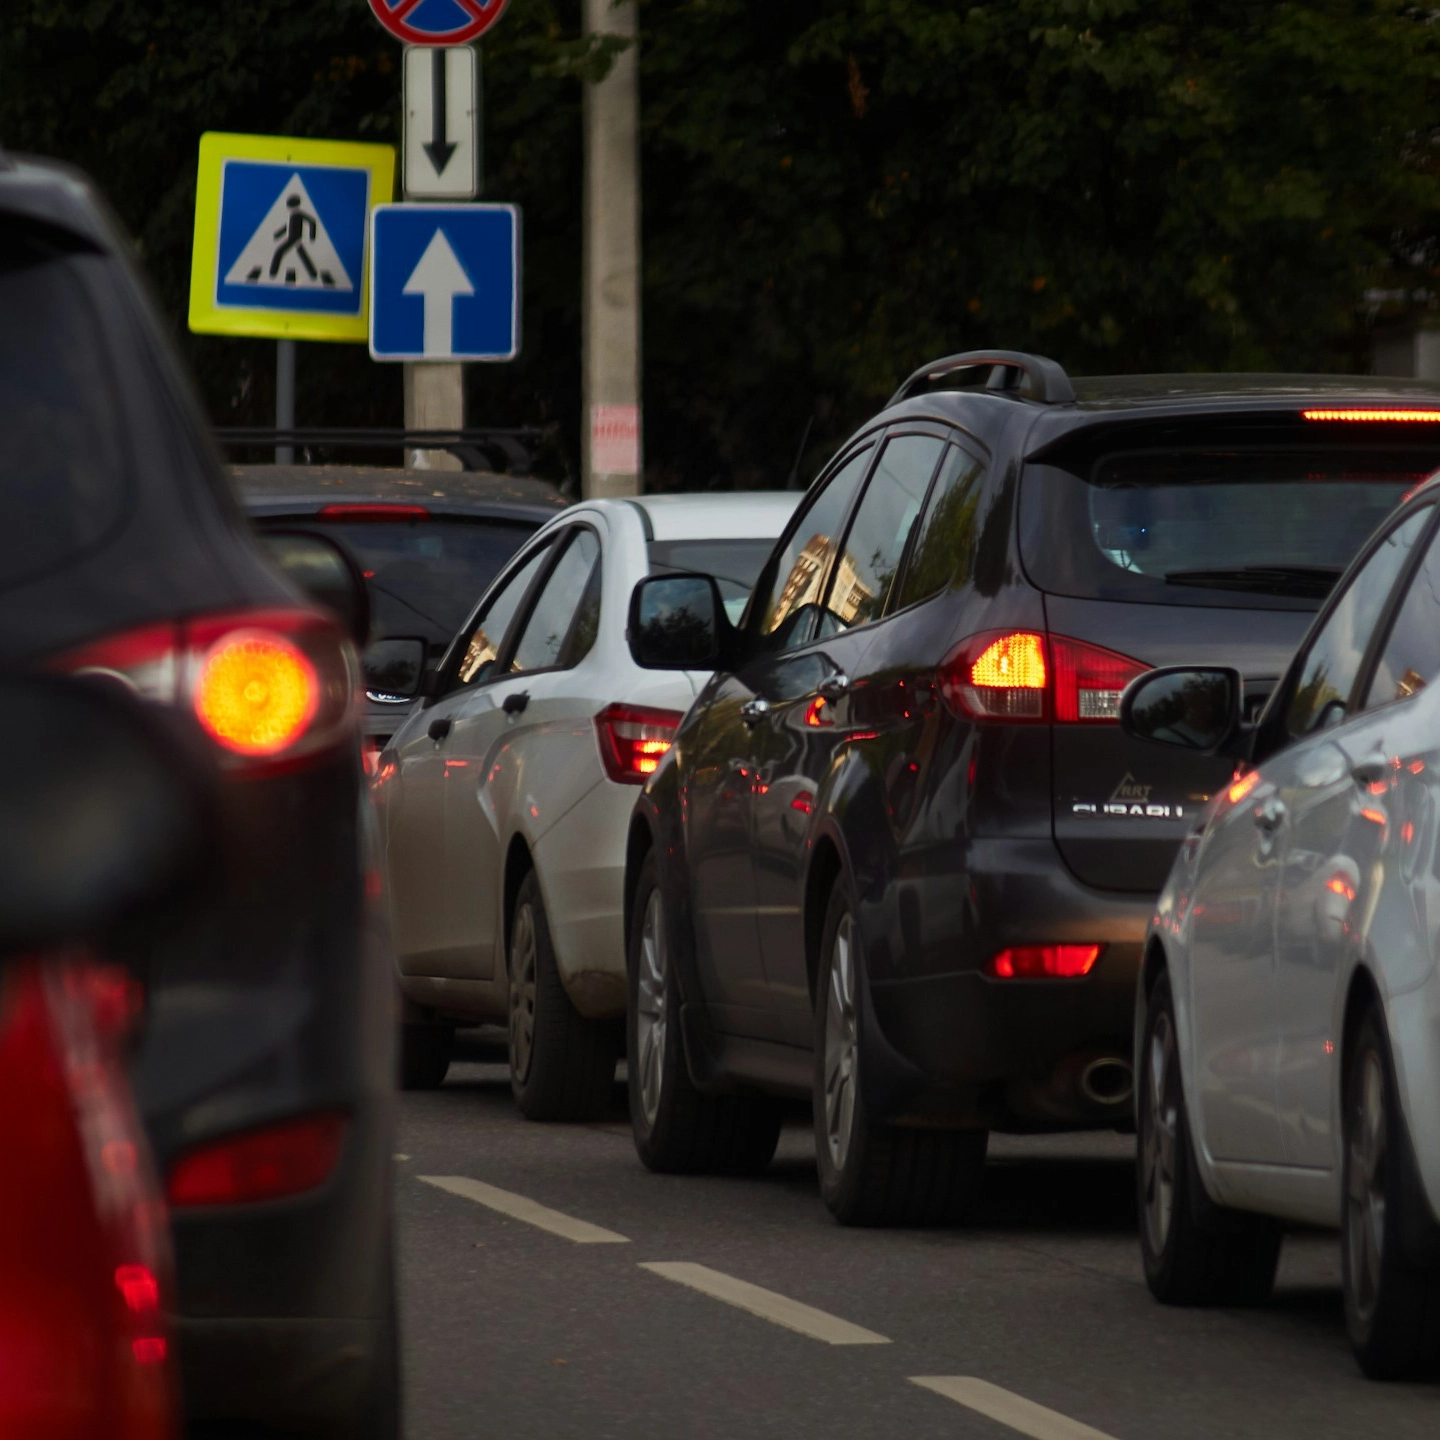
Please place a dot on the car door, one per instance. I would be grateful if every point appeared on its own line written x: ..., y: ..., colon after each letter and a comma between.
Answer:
x: 721, y: 764
x: 1350, y: 797
x: 1235, y: 908
x: 519, y: 723
x: 417, y: 772
x: 813, y: 694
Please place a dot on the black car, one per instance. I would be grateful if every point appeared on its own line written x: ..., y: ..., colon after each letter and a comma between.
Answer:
x: 265, y: 1068
x: 428, y: 541
x: 901, y: 857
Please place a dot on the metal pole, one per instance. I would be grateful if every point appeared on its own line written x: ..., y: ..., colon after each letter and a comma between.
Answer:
x: 284, y: 397
x: 610, y: 426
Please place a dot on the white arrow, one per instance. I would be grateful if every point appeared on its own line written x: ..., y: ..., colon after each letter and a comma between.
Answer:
x: 439, y: 277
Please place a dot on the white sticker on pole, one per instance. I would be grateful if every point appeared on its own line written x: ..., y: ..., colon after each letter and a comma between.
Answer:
x: 615, y: 439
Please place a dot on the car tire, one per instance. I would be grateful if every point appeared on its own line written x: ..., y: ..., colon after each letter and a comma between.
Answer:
x: 425, y: 1052
x: 872, y: 1174
x: 562, y: 1066
x: 1392, y: 1304
x: 678, y: 1130
x: 1194, y: 1252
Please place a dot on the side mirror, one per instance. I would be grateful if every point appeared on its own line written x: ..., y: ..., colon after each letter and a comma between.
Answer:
x: 677, y: 622
x: 108, y: 815
x: 1194, y: 709
x: 394, y: 669
x: 326, y: 573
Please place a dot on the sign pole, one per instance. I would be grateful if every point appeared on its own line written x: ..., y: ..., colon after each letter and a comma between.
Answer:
x: 284, y: 397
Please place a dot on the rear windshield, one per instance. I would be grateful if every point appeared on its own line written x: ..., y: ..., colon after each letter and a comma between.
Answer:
x: 424, y: 575
x: 62, y: 466
x: 1267, y: 528
x: 735, y: 564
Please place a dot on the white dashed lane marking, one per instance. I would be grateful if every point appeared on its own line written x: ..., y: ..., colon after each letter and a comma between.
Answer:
x: 778, y: 1309
x: 517, y: 1207
x: 1007, y: 1408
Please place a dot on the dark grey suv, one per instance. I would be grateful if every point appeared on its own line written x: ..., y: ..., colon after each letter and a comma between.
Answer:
x: 901, y: 857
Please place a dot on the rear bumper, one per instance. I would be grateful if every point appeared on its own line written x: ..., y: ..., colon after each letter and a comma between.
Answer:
x: 958, y: 1047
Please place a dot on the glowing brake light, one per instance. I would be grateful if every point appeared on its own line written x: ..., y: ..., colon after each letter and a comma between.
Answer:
x: 1242, y: 787
x: 1027, y: 676
x: 268, y: 686
x: 256, y: 693
x: 374, y: 511
x: 1370, y: 417
x: 634, y: 739
x: 1044, y: 962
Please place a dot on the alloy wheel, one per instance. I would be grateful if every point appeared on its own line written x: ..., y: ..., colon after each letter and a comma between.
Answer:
x: 1162, y: 1124
x: 1365, y: 1188
x: 650, y: 1007
x: 522, y: 993
x: 840, y: 1044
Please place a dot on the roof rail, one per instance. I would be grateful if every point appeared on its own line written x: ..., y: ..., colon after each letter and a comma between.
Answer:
x: 510, y: 451
x: 1048, y: 382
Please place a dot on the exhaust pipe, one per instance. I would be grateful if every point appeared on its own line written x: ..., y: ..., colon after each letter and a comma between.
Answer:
x: 1107, y: 1081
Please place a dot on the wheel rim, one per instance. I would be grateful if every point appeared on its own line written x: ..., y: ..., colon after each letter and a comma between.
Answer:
x: 650, y: 1008
x: 522, y: 993
x: 1365, y: 1189
x: 840, y: 1045
x: 1161, y: 1119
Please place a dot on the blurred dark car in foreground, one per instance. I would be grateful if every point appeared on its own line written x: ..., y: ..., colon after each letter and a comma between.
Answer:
x: 428, y: 541
x: 265, y: 1071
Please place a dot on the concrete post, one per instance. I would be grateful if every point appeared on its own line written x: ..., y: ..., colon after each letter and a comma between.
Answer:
x: 610, y: 425
x: 284, y: 397
x: 434, y: 400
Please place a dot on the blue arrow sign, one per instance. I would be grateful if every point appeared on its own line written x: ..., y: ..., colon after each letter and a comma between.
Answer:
x: 445, y: 282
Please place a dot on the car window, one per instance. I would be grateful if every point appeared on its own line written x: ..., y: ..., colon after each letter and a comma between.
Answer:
x: 1332, y: 661
x: 944, y: 551
x: 1410, y: 659
x: 793, y: 580
x: 61, y: 464
x: 875, y: 543
x: 485, y: 640
x: 560, y: 608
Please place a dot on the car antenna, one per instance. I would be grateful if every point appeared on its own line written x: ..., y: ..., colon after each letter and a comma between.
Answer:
x: 792, y: 481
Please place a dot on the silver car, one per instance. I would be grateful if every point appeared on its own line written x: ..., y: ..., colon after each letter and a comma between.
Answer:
x: 1288, y: 1026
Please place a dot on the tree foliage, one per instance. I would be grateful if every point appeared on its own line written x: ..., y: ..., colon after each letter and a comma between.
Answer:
x: 835, y: 190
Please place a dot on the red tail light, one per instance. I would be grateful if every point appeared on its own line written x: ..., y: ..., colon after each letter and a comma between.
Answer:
x: 1024, y: 676
x: 267, y: 686
x: 634, y: 739
x: 1042, y: 962
x: 269, y: 1164
x: 374, y: 511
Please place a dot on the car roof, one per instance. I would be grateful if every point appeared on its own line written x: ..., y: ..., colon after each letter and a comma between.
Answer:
x: 48, y: 193
x: 305, y: 489
x: 1101, y: 392
x: 735, y: 514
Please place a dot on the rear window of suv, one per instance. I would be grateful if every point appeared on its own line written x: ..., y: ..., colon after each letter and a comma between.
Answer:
x: 61, y: 445
x: 1253, y: 528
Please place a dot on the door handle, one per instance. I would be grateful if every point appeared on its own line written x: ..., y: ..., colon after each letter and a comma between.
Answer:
x: 515, y: 702
x: 1372, y: 770
x: 832, y: 687
x: 440, y: 728
x: 1270, y: 814
x: 752, y: 712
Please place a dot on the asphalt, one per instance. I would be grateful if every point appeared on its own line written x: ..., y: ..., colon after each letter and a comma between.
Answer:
x: 515, y: 1330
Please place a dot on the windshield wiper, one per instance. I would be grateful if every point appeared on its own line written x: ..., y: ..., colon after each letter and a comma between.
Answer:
x: 1310, y: 581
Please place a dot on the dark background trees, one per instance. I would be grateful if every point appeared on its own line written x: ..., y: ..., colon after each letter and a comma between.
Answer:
x: 835, y: 190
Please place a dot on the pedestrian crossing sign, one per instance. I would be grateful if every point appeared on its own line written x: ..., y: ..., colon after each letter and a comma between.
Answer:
x: 282, y: 235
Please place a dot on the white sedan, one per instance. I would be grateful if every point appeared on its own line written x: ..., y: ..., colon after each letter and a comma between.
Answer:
x: 1288, y: 1030
x: 507, y: 792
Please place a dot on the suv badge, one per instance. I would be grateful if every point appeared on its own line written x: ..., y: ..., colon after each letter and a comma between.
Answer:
x: 1130, y: 789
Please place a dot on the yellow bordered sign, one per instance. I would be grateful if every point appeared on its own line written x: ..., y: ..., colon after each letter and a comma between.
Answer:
x: 282, y: 236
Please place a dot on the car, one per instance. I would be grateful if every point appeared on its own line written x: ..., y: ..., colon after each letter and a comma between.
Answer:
x: 901, y: 858
x: 264, y: 1073
x: 428, y: 542
x: 506, y: 793
x: 1288, y: 1016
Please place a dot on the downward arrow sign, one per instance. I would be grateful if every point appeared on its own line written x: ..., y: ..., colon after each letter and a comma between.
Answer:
x: 439, y: 148
x: 439, y: 277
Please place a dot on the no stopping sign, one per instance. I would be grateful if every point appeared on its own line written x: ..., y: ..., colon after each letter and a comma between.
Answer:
x: 438, y: 22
